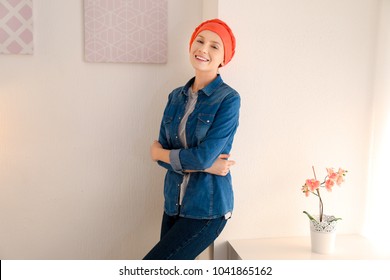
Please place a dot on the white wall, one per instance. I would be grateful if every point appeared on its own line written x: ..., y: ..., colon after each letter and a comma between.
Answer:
x: 304, y: 70
x: 76, y: 181
x: 380, y: 151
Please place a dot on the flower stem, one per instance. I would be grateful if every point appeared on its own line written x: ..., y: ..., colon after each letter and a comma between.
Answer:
x: 321, y: 205
x: 319, y: 197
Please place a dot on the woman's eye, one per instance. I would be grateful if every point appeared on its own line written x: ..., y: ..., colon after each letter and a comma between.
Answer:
x: 199, y: 41
x: 215, y: 47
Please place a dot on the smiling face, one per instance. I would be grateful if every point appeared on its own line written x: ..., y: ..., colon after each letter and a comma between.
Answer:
x: 207, y: 52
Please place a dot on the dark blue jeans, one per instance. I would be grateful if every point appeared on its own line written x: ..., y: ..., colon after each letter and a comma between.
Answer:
x: 185, y: 238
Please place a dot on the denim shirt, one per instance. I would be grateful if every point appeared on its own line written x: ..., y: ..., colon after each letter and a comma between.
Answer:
x: 210, y: 131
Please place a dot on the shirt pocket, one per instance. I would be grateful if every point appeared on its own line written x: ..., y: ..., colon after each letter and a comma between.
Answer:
x: 167, y: 122
x: 203, y: 125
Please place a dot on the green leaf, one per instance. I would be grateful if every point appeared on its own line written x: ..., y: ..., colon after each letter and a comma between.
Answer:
x: 335, y: 219
x: 310, y: 217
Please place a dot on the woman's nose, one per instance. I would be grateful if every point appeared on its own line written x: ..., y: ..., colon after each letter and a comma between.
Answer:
x: 203, y: 49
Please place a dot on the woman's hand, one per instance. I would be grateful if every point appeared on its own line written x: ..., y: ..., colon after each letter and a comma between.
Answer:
x: 221, y: 166
x: 155, y: 150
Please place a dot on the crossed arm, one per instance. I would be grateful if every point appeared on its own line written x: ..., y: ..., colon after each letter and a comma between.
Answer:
x: 220, y: 167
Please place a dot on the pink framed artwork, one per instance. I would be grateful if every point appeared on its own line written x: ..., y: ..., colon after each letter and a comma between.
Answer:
x: 16, y: 27
x: 125, y: 31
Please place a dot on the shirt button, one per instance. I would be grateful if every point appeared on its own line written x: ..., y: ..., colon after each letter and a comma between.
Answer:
x: 208, y: 121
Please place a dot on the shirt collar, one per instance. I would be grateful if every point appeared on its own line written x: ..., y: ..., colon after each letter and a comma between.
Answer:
x: 208, y: 90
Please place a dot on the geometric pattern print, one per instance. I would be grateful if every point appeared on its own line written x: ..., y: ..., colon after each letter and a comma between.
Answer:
x: 16, y: 27
x: 132, y: 31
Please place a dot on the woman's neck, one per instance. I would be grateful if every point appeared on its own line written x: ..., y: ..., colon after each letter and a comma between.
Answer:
x: 202, y: 79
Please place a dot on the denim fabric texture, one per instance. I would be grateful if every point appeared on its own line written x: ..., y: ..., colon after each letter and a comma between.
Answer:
x: 184, y: 238
x: 210, y: 130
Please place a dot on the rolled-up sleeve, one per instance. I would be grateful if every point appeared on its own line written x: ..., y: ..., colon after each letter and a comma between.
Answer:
x: 174, y: 157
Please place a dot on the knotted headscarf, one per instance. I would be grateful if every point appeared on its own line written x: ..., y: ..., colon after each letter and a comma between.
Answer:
x: 223, y: 31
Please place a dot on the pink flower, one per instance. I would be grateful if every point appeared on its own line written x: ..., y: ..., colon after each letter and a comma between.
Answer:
x: 331, y: 174
x: 329, y: 184
x: 340, y: 176
x: 305, y: 189
x: 339, y: 180
x: 313, y: 184
x: 342, y: 172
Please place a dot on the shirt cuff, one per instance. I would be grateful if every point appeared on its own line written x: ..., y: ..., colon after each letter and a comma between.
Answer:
x: 175, y: 161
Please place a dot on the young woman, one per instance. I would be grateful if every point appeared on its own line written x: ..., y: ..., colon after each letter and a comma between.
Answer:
x: 196, y: 136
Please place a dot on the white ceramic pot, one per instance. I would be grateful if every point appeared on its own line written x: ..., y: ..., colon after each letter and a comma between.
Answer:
x: 323, y: 235
x: 322, y: 242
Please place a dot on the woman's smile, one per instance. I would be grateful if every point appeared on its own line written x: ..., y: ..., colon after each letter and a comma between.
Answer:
x: 201, y: 58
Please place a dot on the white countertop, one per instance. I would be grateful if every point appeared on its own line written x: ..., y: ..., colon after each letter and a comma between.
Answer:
x: 349, y: 247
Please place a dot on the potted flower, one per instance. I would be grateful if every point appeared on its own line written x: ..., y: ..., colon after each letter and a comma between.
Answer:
x: 323, y: 227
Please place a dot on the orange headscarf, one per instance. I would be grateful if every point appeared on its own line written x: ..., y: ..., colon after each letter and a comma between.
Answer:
x: 223, y: 31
